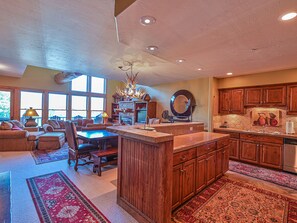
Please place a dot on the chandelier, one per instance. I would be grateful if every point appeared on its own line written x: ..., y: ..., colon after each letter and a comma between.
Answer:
x: 130, y: 91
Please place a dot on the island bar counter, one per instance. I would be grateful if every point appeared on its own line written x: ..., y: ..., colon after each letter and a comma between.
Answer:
x: 148, y: 188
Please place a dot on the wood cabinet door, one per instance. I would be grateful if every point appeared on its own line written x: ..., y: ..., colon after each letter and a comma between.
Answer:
x: 226, y: 158
x: 188, y: 184
x: 252, y: 96
x: 274, y: 95
x: 177, y: 186
x: 234, y: 149
x: 224, y: 101
x: 219, y: 163
x: 271, y: 155
x: 292, y: 99
x: 200, y: 173
x: 211, y: 167
x: 249, y: 151
x: 236, y: 105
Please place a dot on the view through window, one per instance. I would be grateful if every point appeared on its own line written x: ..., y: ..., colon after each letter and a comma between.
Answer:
x: 5, y: 105
x: 57, y: 106
x: 79, y: 107
x: 34, y: 100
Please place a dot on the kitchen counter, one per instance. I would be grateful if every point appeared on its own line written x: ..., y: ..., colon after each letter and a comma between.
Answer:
x: 276, y: 134
x: 184, y: 142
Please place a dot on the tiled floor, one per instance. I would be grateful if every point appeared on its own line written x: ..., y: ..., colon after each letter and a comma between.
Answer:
x: 100, y: 190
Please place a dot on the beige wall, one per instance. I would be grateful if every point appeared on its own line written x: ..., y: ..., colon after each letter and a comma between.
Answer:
x: 111, y: 87
x: 200, y: 88
x: 274, y: 77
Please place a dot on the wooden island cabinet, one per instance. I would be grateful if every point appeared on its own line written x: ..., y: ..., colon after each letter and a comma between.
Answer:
x: 157, y: 171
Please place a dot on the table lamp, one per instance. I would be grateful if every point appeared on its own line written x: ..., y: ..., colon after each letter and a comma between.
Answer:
x: 105, y: 117
x: 30, y: 122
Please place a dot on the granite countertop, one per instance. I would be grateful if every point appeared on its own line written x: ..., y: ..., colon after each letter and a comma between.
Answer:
x: 276, y: 134
x: 184, y: 142
x: 137, y: 131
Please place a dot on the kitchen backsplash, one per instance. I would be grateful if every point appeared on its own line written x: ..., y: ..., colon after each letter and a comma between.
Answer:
x: 246, y: 122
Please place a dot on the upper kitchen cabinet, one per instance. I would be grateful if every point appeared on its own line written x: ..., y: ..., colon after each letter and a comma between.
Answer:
x: 292, y: 99
x: 231, y: 101
x: 265, y: 96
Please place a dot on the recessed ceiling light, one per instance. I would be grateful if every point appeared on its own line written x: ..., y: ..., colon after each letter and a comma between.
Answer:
x: 147, y: 20
x: 152, y: 48
x: 289, y: 16
x: 180, y: 60
x: 199, y: 69
x: 3, y: 66
x: 229, y: 73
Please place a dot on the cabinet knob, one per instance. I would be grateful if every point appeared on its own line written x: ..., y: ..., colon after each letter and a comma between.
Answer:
x: 182, y: 171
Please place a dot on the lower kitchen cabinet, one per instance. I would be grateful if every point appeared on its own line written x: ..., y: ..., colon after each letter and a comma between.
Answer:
x: 219, y: 163
x: 211, y: 167
x: 200, y: 173
x: 234, y: 149
x: 271, y: 155
x: 226, y: 156
x: 177, y: 182
x: 249, y: 151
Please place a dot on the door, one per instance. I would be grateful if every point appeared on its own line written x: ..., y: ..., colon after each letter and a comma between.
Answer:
x: 271, y: 155
x: 177, y: 186
x: 275, y: 95
x: 249, y: 151
x: 253, y: 96
x: 236, y: 99
x: 226, y: 159
x: 219, y: 163
x: 188, y: 184
x: 211, y: 167
x: 224, y: 101
x: 292, y: 100
x: 200, y: 173
x: 234, y: 149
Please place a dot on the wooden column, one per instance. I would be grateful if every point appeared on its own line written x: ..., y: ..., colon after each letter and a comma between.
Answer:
x: 145, y: 178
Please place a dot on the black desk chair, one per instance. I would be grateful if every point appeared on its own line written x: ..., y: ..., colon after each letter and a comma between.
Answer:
x: 76, y: 150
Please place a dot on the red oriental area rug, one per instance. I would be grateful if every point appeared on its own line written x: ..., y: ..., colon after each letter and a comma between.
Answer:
x: 57, y: 199
x: 232, y: 201
x: 273, y: 176
x: 46, y: 156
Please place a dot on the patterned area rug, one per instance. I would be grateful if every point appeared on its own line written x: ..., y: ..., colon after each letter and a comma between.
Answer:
x: 5, y: 192
x: 57, y: 199
x: 273, y: 176
x: 46, y: 156
x: 231, y: 201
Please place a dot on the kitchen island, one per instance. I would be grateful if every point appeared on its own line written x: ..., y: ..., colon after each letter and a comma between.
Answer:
x: 158, y: 171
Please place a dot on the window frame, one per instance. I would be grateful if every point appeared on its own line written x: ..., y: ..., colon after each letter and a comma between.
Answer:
x: 11, y: 110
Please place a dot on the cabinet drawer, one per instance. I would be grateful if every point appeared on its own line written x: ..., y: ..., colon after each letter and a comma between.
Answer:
x: 234, y: 135
x: 262, y: 138
x: 223, y: 142
x: 184, y: 156
x: 201, y: 150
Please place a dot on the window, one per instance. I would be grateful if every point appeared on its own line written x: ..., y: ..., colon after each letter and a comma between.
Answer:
x: 57, y: 106
x: 34, y: 100
x: 79, y: 83
x: 98, y: 85
x: 5, y: 105
x: 79, y: 107
x: 97, y: 106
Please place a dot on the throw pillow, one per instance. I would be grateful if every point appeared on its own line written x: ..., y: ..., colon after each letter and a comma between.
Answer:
x: 15, y: 127
x: 62, y: 124
x: 6, y: 125
x: 54, y: 123
x: 17, y: 123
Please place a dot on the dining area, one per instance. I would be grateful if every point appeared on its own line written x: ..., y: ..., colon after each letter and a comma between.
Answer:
x: 98, y: 147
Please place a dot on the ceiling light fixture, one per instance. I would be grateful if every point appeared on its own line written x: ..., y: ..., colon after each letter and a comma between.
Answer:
x: 180, y: 60
x: 147, y: 20
x: 199, y: 69
x: 289, y: 16
x: 229, y: 73
x: 3, y: 66
x: 152, y: 48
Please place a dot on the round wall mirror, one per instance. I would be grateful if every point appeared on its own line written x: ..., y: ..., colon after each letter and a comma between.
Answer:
x: 182, y: 103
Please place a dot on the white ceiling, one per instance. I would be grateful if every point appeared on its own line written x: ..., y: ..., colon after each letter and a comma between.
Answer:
x: 80, y: 36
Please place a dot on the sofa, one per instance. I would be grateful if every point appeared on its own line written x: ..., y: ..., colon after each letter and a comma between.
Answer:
x: 14, y: 138
x: 54, y: 126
